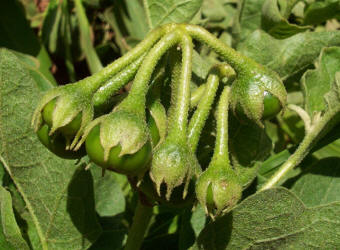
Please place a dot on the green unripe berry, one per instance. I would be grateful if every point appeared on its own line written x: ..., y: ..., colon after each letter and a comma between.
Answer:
x: 129, y: 164
x: 57, y: 143
x: 271, y: 106
x: 70, y: 129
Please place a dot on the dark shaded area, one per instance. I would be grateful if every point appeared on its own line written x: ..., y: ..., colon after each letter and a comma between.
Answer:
x: 220, y: 230
x: 81, y: 204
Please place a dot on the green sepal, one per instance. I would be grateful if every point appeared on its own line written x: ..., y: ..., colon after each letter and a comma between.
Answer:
x: 173, y: 164
x: 250, y: 88
x: 70, y: 101
x: 218, y: 190
x: 121, y: 127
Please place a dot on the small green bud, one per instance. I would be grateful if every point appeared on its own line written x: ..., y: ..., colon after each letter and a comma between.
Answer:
x: 218, y: 190
x: 251, y: 91
x: 173, y: 164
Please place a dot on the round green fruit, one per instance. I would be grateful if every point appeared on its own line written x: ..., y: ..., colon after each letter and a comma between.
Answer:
x: 56, y: 143
x: 70, y: 129
x: 129, y: 164
x: 271, y: 106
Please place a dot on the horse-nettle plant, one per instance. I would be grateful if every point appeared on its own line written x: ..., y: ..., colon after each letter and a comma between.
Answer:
x: 154, y: 146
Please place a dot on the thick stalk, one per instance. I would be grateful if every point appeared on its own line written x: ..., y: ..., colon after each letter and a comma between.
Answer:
x: 221, y: 152
x: 198, y: 119
x: 104, y: 93
x: 106, y: 73
x: 196, y: 95
x: 179, y: 116
x: 136, y: 98
x: 239, y: 62
x: 140, y: 223
x: 304, y: 148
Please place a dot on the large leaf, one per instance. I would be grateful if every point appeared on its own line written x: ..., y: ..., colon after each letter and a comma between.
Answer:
x: 249, y: 145
x: 274, y: 22
x: 288, y: 56
x: 16, y: 34
x: 274, y: 219
x: 10, y: 235
x: 316, y: 83
x: 160, y: 12
x: 320, y: 11
x: 59, y: 198
x: 320, y: 184
x: 109, y: 197
x: 247, y: 18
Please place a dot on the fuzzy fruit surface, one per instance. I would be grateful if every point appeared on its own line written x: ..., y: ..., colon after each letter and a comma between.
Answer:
x: 70, y: 129
x: 130, y: 164
x: 56, y: 143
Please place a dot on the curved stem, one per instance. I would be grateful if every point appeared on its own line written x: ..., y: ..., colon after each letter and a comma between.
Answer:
x: 104, y: 93
x: 136, y: 98
x: 196, y: 95
x: 198, y: 119
x: 304, y: 148
x: 106, y: 73
x: 221, y: 152
x: 239, y: 62
x: 179, y: 117
x: 140, y: 223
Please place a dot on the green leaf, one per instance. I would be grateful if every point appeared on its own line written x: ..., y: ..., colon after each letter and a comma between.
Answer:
x: 22, y: 38
x: 50, y: 28
x: 219, y: 13
x: 320, y: 184
x: 85, y: 39
x: 274, y: 219
x: 249, y: 145
x: 108, y: 194
x: 128, y: 22
x: 320, y: 11
x: 10, y: 235
x: 247, y: 18
x: 276, y: 24
x: 59, y: 198
x: 288, y: 56
x: 316, y: 83
x: 160, y: 12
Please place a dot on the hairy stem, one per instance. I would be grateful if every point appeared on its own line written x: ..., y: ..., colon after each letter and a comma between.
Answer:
x: 201, y: 114
x: 106, y: 73
x: 221, y: 152
x: 104, y: 93
x: 239, y: 62
x: 179, y: 115
x: 140, y: 223
x: 311, y: 137
x: 136, y: 98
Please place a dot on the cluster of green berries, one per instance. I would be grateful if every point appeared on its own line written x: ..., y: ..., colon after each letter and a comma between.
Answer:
x: 148, y: 135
